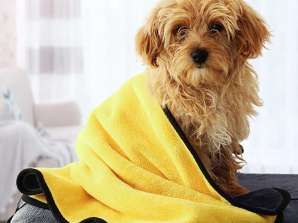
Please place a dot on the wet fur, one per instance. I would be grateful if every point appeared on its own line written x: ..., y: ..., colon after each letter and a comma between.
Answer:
x: 212, y: 103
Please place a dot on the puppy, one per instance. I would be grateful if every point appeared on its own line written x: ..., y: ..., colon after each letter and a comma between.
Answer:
x: 196, y: 53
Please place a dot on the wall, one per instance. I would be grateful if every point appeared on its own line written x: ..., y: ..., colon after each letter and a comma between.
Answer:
x: 7, y: 33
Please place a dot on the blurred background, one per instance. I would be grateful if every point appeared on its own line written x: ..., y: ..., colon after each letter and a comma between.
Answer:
x: 75, y: 53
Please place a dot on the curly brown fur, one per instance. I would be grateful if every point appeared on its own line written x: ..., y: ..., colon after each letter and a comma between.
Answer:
x: 211, y: 101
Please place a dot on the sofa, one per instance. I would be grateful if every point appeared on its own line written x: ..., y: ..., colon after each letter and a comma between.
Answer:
x: 60, y: 121
x: 50, y: 114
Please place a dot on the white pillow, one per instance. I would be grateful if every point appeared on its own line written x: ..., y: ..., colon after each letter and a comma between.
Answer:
x: 8, y: 108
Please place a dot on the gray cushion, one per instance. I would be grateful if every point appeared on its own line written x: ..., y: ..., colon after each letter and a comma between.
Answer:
x: 29, y: 214
x: 286, y: 182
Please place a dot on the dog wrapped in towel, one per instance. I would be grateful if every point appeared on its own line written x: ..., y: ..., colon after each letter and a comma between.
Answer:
x: 135, y: 166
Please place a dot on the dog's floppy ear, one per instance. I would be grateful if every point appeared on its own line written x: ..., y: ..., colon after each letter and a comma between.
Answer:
x: 149, y: 43
x: 253, y: 32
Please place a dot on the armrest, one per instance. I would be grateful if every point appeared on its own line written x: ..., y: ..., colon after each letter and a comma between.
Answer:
x: 58, y: 114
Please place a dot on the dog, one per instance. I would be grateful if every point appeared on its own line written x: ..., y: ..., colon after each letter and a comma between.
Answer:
x: 197, y: 53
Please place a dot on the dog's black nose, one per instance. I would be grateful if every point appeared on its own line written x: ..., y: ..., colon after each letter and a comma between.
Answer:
x: 199, y: 56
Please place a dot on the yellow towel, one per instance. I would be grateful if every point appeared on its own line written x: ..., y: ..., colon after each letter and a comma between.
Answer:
x: 133, y: 167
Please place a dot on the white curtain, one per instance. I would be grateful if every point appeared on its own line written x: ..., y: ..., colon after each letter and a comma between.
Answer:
x: 107, y: 34
x: 109, y: 28
x: 50, y: 46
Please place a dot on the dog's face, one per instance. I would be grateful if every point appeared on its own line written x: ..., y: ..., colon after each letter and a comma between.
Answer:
x: 201, y: 41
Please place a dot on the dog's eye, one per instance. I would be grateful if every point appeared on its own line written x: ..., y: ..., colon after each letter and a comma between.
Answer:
x: 181, y: 32
x: 215, y: 27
